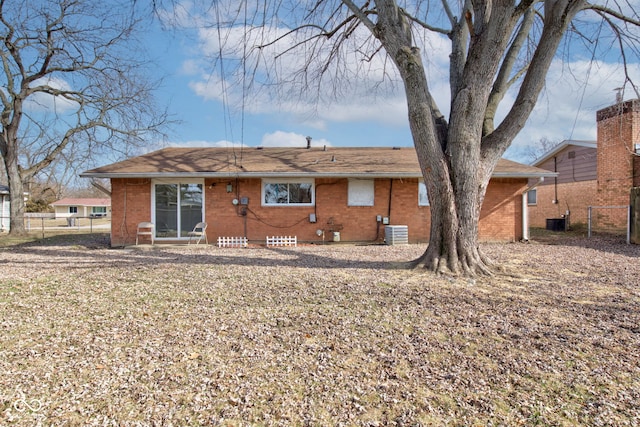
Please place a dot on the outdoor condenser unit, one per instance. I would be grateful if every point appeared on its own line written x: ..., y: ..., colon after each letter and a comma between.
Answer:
x: 396, y: 234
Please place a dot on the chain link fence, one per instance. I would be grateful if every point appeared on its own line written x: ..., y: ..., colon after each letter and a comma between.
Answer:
x: 47, y: 223
x: 612, y: 220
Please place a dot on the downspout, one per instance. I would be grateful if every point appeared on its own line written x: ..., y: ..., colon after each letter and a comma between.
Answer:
x: 525, y: 209
x: 390, y: 197
x: 555, y: 181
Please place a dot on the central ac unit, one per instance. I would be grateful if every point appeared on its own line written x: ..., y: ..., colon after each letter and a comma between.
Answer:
x: 396, y: 234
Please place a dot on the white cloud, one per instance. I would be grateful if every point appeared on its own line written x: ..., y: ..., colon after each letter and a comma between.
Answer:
x: 290, y: 139
x: 204, y: 143
x: 567, y: 108
x: 364, y: 90
x: 181, y: 15
x: 44, y: 102
x: 369, y: 91
x: 274, y: 139
x: 210, y: 90
x: 191, y: 67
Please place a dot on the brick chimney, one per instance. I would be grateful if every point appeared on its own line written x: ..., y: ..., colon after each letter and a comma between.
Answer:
x: 618, y: 133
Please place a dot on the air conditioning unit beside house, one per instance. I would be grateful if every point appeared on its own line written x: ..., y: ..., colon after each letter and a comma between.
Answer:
x: 396, y: 234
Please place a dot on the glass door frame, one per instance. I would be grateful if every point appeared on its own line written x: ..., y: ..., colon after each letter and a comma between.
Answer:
x: 178, y: 182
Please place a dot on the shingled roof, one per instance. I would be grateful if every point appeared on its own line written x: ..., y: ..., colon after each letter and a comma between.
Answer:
x: 388, y: 162
x: 82, y: 201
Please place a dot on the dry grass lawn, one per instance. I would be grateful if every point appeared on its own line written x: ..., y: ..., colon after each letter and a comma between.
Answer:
x: 317, y: 335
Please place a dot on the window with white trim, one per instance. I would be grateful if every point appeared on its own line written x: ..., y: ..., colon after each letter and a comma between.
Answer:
x: 361, y: 192
x: 99, y: 210
x: 288, y: 192
x: 73, y: 209
x: 532, y: 197
x: 423, y: 196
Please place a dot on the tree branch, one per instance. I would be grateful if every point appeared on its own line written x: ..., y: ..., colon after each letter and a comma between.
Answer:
x: 362, y: 16
x: 558, y: 16
x: 608, y: 11
x: 424, y: 24
x: 503, y: 82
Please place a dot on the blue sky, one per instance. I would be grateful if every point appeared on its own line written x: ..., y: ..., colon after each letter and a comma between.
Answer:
x: 211, y: 116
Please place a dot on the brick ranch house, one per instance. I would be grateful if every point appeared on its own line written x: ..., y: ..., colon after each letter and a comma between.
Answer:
x: 83, y: 207
x: 592, y: 173
x: 312, y: 193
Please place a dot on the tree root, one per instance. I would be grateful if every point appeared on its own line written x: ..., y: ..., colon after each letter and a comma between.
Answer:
x: 473, y: 264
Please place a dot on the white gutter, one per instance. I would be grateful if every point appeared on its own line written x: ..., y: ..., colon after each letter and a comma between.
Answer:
x: 525, y: 209
x: 226, y: 175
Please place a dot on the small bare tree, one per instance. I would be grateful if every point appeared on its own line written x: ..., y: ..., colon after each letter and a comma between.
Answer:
x: 74, y: 87
x: 495, y: 46
x: 534, y: 151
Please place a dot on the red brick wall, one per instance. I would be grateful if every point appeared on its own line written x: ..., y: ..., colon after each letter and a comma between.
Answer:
x: 130, y: 205
x: 617, y: 128
x: 501, y: 216
x: 617, y: 133
x: 575, y: 197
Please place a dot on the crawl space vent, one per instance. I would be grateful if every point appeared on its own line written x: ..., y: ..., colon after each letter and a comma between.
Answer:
x: 396, y: 234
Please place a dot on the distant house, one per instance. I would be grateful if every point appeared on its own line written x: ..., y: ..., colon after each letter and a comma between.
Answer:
x: 572, y: 191
x: 598, y: 174
x: 5, y: 208
x: 315, y: 194
x: 82, y: 207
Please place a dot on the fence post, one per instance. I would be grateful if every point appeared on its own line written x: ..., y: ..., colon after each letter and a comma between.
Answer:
x: 589, y: 221
x: 629, y: 225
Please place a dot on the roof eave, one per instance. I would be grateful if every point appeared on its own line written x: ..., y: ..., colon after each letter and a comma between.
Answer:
x: 524, y: 175
x: 226, y: 175
x: 561, y: 146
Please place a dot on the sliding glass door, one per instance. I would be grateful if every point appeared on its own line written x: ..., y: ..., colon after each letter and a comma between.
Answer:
x: 177, y: 208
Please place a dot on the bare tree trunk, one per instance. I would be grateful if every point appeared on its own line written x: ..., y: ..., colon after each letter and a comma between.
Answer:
x: 453, y: 244
x: 458, y: 158
x: 10, y: 153
x: 452, y: 173
x: 16, y: 196
x: 107, y: 106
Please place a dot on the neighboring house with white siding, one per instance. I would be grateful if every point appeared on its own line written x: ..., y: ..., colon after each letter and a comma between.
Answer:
x: 82, y: 207
x: 5, y: 211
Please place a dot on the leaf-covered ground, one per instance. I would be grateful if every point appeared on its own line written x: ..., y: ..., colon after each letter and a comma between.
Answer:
x: 318, y: 335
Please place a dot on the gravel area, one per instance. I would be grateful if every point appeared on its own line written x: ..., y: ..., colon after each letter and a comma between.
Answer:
x: 318, y: 335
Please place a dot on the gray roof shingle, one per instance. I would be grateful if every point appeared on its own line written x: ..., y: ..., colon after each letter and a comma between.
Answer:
x: 276, y: 162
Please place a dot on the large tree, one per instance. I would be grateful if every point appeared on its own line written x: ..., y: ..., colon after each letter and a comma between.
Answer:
x: 74, y: 88
x: 495, y: 46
